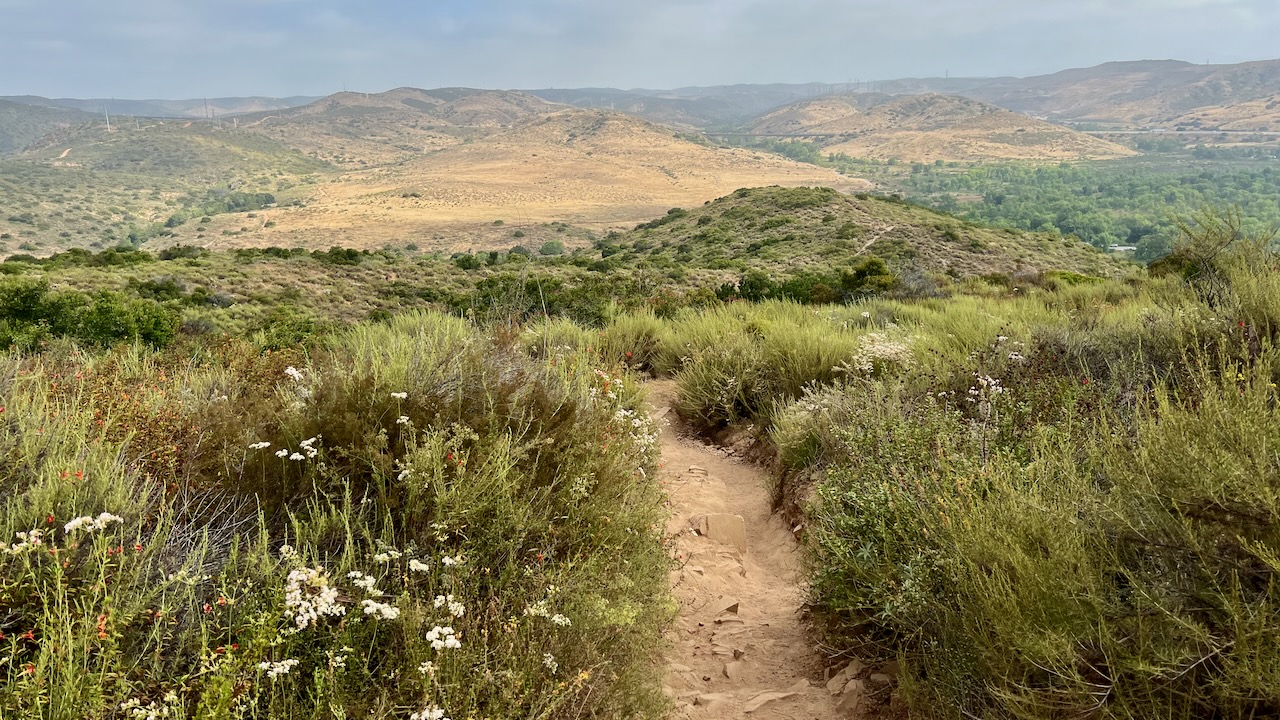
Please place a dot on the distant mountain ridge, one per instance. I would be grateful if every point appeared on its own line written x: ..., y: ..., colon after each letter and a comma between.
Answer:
x: 190, y: 108
x: 927, y: 128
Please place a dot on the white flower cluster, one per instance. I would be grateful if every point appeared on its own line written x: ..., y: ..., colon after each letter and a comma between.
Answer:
x: 450, y: 561
x: 90, y: 524
x: 402, y: 420
x: 639, y: 426
x: 26, y: 542
x: 382, y: 610
x: 442, y: 638
x: 986, y: 387
x: 308, y: 596
x: 276, y: 669
x: 456, y: 608
x: 387, y: 555
x: 306, y: 446
x: 542, y: 609
x: 430, y: 712
x: 428, y: 669
x: 364, y: 582
x: 260, y: 445
x: 416, y: 565
x: 294, y: 373
x: 877, y: 351
x: 154, y: 710
x: 549, y: 662
x: 400, y: 395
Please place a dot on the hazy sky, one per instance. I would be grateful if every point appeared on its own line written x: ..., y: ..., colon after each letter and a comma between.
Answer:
x: 192, y: 48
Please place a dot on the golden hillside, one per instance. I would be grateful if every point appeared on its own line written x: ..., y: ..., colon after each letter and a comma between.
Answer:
x: 592, y: 168
x: 925, y: 128
x: 367, y: 129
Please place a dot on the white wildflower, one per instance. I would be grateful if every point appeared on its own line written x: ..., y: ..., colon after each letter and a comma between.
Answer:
x: 294, y: 373
x: 538, y: 609
x: 560, y: 620
x: 451, y: 561
x: 549, y: 662
x: 400, y: 395
x: 86, y: 523
x: 866, y: 315
x: 455, y: 608
x: 260, y: 445
x: 427, y: 668
x: 276, y: 669
x: 442, y: 638
x: 282, y: 453
x: 387, y: 555
x: 297, y: 456
x: 418, y: 566
x: 308, y: 596
x: 402, y: 420
x: 382, y: 610
x: 430, y: 712
x: 288, y: 553
x: 364, y: 582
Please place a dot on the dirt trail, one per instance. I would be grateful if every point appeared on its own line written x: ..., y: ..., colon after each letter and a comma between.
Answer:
x: 64, y: 153
x: 739, y: 647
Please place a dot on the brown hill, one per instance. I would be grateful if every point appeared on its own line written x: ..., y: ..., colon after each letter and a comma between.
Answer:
x: 366, y: 129
x: 929, y: 127
x: 593, y: 168
x: 1133, y: 94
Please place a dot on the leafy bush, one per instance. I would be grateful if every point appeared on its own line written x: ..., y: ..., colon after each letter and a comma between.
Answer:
x: 415, y: 519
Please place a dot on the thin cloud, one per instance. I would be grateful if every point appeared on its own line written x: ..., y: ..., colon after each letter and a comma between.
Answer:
x: 170, y: 48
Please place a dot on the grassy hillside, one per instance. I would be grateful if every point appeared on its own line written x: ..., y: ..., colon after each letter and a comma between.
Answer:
x: 22, y: 125
x: 813, y: 228
x: 927, y: 128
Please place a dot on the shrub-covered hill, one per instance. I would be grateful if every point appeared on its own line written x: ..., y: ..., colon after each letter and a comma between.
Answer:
x: 815, y: 229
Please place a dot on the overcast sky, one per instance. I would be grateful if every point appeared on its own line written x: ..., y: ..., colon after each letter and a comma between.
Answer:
x: 191, y: 48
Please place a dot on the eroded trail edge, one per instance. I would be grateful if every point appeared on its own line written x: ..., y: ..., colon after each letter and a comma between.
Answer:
x: 739, y: 646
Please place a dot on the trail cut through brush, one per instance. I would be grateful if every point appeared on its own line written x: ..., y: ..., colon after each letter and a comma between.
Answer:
x: 740, y: 647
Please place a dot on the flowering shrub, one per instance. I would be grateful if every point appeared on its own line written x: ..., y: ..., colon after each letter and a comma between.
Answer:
x: 360, y: 535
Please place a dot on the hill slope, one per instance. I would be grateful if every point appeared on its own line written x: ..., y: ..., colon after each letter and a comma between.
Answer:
x: 1136, y: 93
x: 591, y: 168
x: 22, y: 125
x: 929, y: 127
x: 817, y: 230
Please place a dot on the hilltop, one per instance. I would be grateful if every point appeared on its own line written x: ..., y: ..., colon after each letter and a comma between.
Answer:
x: 787, y: 230
x: 595, y: 169
x: 189, y: 108
x: 929, y: 127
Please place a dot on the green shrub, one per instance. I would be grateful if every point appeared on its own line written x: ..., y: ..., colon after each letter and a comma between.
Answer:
x: 429, y: 480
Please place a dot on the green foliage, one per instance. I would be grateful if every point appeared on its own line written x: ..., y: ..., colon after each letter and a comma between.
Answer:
x: 29, y: 314
x: 448, y: 489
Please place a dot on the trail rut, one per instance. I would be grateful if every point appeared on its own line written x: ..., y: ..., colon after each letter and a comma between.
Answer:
x: 739, y: 647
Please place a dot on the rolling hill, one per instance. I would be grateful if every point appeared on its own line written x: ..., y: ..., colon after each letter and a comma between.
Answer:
x: 21, y: 125
x: 190, y: 108
x: 591, y: 168
x: 1131, y: 94
x: 929, y: 127
x: 787, y: 230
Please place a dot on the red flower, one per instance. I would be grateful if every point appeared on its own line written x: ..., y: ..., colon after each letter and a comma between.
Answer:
x: 29, y: 635
x: 49, y: 520
x: 1086, y: 381
x: 137, y: 547
x: 207, y: 608
x: 1241, y: 323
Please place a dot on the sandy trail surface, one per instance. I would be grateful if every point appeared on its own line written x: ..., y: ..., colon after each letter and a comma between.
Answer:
x: 739, y: 647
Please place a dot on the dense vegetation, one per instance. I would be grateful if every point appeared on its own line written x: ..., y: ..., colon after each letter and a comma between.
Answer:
x: 1050, y: 503
x: 1127, y: 203
x: 413, y: 518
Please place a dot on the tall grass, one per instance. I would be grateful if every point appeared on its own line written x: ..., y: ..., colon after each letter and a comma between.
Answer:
x: 448, y: 524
